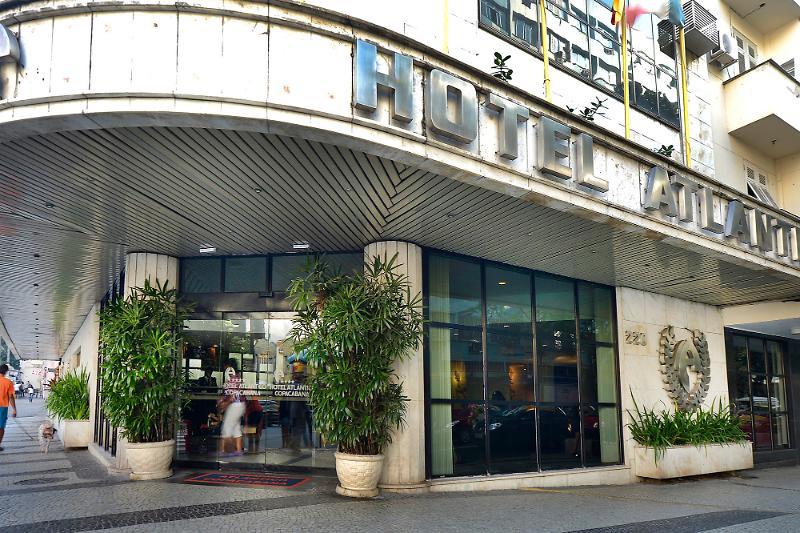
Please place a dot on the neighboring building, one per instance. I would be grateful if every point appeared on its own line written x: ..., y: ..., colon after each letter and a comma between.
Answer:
x: 215, y: 144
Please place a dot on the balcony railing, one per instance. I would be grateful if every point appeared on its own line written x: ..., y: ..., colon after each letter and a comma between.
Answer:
x: 763, y: 109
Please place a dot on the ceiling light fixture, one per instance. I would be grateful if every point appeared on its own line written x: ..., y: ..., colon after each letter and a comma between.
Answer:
x: 502, y: 283
x: 36, y: 255
x: 207, y: 249
x: 49, y: 205
x: 258, y: 189
x: 300, y: 245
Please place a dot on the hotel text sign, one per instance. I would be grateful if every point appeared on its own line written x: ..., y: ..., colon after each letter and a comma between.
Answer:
x: 451, y: 111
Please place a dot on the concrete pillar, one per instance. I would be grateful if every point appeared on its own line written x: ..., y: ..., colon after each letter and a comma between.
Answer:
x: 140, y: 266
x: 404, y: 466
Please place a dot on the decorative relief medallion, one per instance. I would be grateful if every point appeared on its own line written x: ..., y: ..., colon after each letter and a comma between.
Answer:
x: 685, y: 366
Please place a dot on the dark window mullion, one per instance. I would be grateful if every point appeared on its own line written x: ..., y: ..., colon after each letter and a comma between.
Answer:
x: 485, y: 357
x: 535, y: 367
x: 579, y: 363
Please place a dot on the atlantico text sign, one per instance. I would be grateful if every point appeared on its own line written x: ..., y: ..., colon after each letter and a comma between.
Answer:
x: 451, y: 110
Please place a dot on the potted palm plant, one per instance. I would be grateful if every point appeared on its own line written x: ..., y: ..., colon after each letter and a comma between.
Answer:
x: 68, y: 403
x: 140, y: 376
x: 352, y: 328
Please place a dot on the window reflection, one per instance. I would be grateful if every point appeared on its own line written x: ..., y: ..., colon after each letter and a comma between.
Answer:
x: 757, y: 388
x: 555, y: 340
x: 581, y: 38
x: 496, y: 394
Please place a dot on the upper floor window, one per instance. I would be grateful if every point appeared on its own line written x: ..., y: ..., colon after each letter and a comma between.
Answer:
x: 789, y: 67
x: 757, y: 183
x: 520, y: 21
x: 747, y: 53
x: 582, y: 40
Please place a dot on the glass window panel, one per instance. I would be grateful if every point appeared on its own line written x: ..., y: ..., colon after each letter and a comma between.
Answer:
x: 345, y: 263
x: 508, y: 300
x: 604, y: 43
x: 596, y: 311
x: 780, y: 430
x: 746, y: 423
x: 568, y: 33
x: 645, y: 92
x: 762, y: 434
x: 510, y: 367
x: 246, y: 274
x: 758, y: 362
x: 512, y: 438
x: 662, y: 59
x: 598, y: 374
x: 555, y: 337
x: 643, y: 36
x: 758, y: 388
x: 777, y: 389
x: 201, y: 275
x: 457, y: 439
x: 456, y: 363
x: 287, y: 267
x: 454, y: 291
x: 738, y: 372
x: 495, y: 13
x: 667, y: 82
x: 526, y: 24
x: 559, y: 437
x: 775, y: 358
x: 600, y: 435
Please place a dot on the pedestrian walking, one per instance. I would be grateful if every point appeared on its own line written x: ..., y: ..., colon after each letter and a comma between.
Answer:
x: 31, y: 391
x: 6, y: 396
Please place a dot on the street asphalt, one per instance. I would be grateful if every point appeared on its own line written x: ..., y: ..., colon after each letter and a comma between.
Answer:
x: 69, y: 491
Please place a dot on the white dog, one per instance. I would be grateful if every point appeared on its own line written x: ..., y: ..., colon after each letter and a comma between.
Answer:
x: 46, y: 434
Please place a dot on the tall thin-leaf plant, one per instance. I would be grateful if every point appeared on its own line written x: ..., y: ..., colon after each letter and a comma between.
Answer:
x: 352, y: 328
x: 140, y: 378
x: 663, y: 429
x: 69, y: 396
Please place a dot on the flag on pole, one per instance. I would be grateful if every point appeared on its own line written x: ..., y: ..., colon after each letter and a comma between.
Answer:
x: 616, y: 11
x: 663, y: 9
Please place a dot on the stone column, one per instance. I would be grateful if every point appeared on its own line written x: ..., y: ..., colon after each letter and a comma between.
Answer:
x: 140, y: 266
x: 404, y: 466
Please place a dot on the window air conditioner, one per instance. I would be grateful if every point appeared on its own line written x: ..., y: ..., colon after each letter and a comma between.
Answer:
x: 700, y: 31
x: 725, y: 54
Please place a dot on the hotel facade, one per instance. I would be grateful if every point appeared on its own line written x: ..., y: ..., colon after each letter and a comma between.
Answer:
x: 217, y: 145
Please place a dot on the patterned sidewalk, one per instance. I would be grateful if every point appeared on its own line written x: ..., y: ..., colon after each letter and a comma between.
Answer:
x: 68, y: 491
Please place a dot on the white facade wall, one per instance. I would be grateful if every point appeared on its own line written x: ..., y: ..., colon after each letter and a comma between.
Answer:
x: 639, y: 366
x: 82, y: 354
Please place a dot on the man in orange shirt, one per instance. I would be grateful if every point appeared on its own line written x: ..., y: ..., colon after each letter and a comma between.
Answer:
x: 6, y: 395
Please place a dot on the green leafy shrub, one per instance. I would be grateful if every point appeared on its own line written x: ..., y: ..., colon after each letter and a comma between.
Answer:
x: 140, y: 377
x: 661, y: 430
x: 352, y: 328
x: 69, y: 396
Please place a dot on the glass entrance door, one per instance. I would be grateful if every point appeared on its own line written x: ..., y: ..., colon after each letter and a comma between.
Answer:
x: 248, y: 398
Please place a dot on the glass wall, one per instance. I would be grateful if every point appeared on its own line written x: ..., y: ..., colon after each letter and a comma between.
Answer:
x: 522, y: 370
x: 582, y: 40
x: 247, y: 398
x: 241, y: 274
x: 757, y: 385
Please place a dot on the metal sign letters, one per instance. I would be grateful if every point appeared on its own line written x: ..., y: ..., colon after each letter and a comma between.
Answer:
x: 451, y: 112
x: 9, y: 48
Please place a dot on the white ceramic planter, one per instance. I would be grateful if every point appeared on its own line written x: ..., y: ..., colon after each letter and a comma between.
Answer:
x: 358, y: 474
x: 74, y: 433
x: 150, y: 460
x: 682, y: 461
